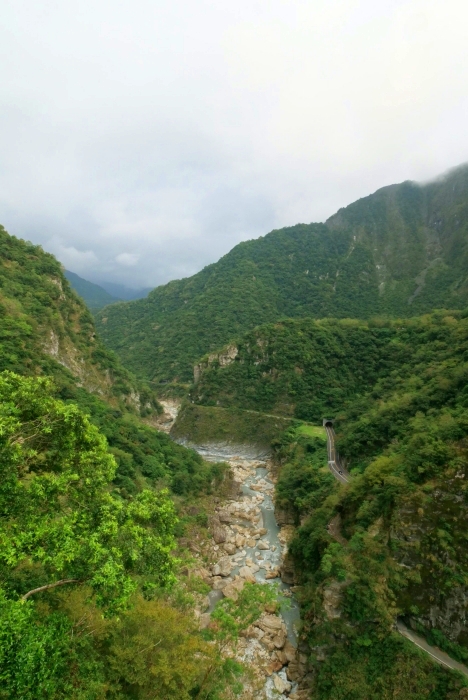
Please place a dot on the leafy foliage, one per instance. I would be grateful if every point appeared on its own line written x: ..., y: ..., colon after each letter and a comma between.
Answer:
x: 393, y: 542
x: 353, y: 565
x: 316, y: 369
x: 58, y: 516
x: 45, y: 328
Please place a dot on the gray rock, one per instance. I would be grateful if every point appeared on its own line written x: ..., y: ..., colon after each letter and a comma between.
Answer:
x: 223, y: 567
x: 219, y: 534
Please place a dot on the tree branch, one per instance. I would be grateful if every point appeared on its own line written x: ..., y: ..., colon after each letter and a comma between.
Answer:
x: 50, y: 585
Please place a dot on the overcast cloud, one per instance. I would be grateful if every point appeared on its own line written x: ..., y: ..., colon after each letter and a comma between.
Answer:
x: 141, y: 140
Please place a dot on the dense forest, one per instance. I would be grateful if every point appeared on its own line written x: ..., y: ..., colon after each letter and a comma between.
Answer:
x: 400, y: 252
x: 93, y: 602
x: 363, y: 320
x: 366, y: 554
x: 392, y: 543
x: 310, y: 369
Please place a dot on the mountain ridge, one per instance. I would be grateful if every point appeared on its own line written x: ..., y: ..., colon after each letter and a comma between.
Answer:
x: 95, y: 296
x: 401, y: 251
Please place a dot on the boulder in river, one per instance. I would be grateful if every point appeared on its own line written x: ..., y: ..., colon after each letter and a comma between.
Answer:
x: 223, y: 567
x: 246, y: 573
x: 220, y: 583
x: 204, y: 620
x: 233, y: 589
x: 272, y: 574
x: 270, y: 622
x: 229, y: 547
x: 281, y: 685
x: 224, y: 517
x: 219, y: 534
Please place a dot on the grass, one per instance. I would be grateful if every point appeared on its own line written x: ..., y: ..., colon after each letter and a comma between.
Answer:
x: 317, y: 431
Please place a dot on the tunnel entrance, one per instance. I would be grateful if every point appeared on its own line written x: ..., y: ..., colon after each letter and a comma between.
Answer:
x: 328, y: 423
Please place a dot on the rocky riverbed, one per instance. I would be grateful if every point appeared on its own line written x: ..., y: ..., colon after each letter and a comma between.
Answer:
x: 249, y: 546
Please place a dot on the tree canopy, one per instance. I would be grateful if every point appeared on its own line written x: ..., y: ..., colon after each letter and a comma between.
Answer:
x: 59, y: 518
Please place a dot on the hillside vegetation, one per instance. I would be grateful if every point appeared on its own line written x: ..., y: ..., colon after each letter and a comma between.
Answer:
x: 92, y: 604
x: 313, y: 369
x: 93, y: 295
x: 399, y: 252
x: 201, y: 425
x: 393, y: 542
x: 46, y: 328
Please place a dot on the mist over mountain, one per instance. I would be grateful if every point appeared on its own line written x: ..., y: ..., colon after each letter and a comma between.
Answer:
x: 401, y: 251
x: 123, y: 292
x: 94, y: 295
x: 234, y: 350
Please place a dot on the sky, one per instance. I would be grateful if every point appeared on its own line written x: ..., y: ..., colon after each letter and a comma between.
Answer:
x: 140, y: 141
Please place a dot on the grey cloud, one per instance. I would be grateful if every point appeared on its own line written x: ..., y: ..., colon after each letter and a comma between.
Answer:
x: 161, y: 134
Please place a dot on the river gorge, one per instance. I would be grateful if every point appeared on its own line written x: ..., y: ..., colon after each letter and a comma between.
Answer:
x: 248, y: 545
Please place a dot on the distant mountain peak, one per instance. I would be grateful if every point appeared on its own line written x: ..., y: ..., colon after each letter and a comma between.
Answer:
x: 93, y: 295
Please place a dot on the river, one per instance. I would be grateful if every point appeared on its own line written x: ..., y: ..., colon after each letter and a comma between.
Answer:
x: 252, y: 549
x: 252, y: 516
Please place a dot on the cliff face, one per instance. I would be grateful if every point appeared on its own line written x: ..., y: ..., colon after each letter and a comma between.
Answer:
x: 418, y: 239
x: 46, y: 328
x: 430, y: 535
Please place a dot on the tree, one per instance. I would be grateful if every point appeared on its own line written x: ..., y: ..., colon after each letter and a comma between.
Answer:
x: 60, y: 522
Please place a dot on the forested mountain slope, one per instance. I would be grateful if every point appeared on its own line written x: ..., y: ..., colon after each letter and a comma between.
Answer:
x: 401, y: 251
x: 392, y: 542
x: 311, y: 369
x: 88, y: 492
x: 94, y: 296
x: 46, y: 328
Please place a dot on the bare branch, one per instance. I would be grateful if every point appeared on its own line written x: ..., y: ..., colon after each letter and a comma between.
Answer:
x: 50, y: 585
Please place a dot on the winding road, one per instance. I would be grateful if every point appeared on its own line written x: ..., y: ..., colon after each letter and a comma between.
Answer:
x: 342, y: 475
x: 338, y: 471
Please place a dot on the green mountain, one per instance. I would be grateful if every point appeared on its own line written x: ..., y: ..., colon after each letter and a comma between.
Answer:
x: 310, y: 368
x: 90, y: 604
x: 46, y: 330
x: 392, y: 542
x: 95, y: 296
x: 401, y: 251
x: 123, y: 292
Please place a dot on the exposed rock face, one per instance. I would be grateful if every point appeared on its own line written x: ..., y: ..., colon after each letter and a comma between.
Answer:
x: 332, y: 600
x: 165, y: 421
x: 230, y: 548
x: 287, y: 570
x: 242, y: 551
x: 417, y: 547
x: 219, y: 534
x: 224, y: 358
x: 285, y: 516
x: 223, y: 567
x: 281, y: 685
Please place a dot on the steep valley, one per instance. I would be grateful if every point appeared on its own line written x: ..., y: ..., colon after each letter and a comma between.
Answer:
x: 400, y: 252
x: 204, y: 541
